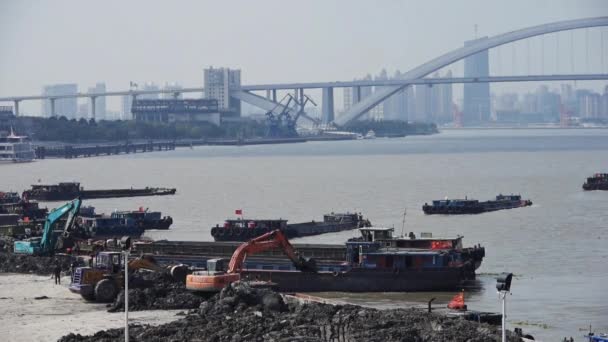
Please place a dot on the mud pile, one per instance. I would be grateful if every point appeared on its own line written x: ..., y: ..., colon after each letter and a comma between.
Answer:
x: 153, y: 291
x: 241, y: 313
x: 17, y: 263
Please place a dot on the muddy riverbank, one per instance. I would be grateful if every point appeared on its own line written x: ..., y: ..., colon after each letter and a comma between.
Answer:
x: 241, y: 313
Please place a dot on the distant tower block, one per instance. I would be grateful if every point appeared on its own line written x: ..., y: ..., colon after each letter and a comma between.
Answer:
x: 457, y: 116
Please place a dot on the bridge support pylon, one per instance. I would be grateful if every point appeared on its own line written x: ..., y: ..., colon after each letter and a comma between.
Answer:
x: 327, y: 109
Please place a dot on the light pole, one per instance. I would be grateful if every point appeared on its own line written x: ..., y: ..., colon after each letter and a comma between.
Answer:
x: 503, y: 285
x: 126, y: 246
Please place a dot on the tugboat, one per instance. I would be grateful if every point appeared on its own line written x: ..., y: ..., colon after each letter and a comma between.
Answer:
x: 599, y: 181
x: 246, y: 229
x: 69, y: 190
x: 472, y: 206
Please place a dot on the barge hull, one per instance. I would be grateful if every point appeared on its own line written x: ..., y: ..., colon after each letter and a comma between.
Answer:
x: 361, y: 280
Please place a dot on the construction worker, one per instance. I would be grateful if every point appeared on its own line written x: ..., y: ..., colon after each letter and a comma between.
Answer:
x: 57, y: 273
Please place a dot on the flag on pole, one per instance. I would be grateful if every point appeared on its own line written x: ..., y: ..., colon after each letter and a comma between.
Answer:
x: 238, y: 212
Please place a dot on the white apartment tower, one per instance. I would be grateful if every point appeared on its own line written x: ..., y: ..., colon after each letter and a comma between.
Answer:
x: 218, y: 83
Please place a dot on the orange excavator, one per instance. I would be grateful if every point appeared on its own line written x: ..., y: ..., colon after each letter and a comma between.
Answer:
x: 214, y: 279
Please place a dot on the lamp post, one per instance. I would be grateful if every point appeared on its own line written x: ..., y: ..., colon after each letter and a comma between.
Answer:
x: 126, y: 246
x: 503, y: 285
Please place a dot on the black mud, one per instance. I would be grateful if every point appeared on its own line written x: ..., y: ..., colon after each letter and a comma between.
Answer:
x: 16, y: 263
x: 241, y: 313
x: 154, y: 291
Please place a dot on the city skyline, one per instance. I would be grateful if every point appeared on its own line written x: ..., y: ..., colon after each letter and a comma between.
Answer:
x: 391, y: 30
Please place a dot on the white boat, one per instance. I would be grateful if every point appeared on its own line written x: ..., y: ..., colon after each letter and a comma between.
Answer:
x: 370, y: 135
x: 16, y: 149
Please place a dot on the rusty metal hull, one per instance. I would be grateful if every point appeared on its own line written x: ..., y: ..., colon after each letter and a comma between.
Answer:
x: 363, y: 280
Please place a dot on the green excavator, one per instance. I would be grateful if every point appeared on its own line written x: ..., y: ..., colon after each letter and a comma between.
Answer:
x: 51, y: 239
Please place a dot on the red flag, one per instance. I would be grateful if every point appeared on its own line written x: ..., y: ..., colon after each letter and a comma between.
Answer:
x: 238, y: 212
x: 457, y: 303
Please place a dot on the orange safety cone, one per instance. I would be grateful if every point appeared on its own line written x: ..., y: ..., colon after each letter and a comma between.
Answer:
x: 457, y: 303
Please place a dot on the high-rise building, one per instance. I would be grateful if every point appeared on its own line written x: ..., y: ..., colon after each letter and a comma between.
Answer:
x: 588, y: 103
x: 476, y: 95
x: 218, y: 83
x: 100, y: 102
x: 83, y: 110
x: 395, y: 107
x: 67, y: 107
x: 355, y: 94
x: 127, y: 102
x: 446, y: 101
x: 604, y: 104
x: 423, y: 103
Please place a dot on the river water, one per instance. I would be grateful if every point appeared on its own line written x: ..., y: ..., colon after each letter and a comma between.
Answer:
x: 557, y: 248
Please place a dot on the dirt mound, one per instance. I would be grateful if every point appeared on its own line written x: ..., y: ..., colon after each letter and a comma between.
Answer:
x: 153, y: 291
x: 242, y: 313
x: 16, y: 263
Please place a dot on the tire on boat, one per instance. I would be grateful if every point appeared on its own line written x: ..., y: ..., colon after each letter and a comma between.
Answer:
x: 214, y: 231
x: 105, y: 291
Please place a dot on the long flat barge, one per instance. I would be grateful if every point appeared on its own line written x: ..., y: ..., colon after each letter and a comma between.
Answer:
x: 246, y: 229
x: 70, y: 190
x: 473, y: 206
x: 226, y: 249
x: 375, y: 262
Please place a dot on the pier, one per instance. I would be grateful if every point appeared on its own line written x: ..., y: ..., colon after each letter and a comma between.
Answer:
x: 81, y: 151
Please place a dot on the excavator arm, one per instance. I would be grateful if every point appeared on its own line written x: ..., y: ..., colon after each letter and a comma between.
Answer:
x: 146, y: 262
x: 49, y: 239
x: 270, y: 240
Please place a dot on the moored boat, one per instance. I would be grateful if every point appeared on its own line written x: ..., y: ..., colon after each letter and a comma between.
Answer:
x: 121, y: 223
x: 473, y: 206
x: 374, y: 263
x: 70, y: 190
x: 245, y: 229
x: 599, y: 181
x: 16, y: 149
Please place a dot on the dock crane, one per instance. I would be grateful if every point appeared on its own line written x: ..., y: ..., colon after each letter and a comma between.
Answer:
x: 214, y: 279
x: 284, y: 123
x: 48, y: 243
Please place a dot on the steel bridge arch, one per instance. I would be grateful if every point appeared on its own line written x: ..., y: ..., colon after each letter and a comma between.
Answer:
x: 374, y: 99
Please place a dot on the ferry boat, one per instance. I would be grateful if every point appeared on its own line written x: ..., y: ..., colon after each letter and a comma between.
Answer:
x: 16, y: 149
x: 472, y: 206
x: 246, y: 229
x: 599, y: 181
x: 69, y: 190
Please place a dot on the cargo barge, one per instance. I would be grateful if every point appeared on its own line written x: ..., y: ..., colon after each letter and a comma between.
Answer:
x: 121, y: 223
x: 599, y: 181
x: 376, y: 262
x: 70, y: 190
x: 472, y: 206
x: 247, y: 229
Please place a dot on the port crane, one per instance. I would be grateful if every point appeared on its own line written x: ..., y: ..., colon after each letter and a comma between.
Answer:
x: 284, y: 123
x: 214, y: 279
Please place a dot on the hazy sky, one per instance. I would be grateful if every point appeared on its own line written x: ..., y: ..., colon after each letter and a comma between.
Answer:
x: 45, y: 42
